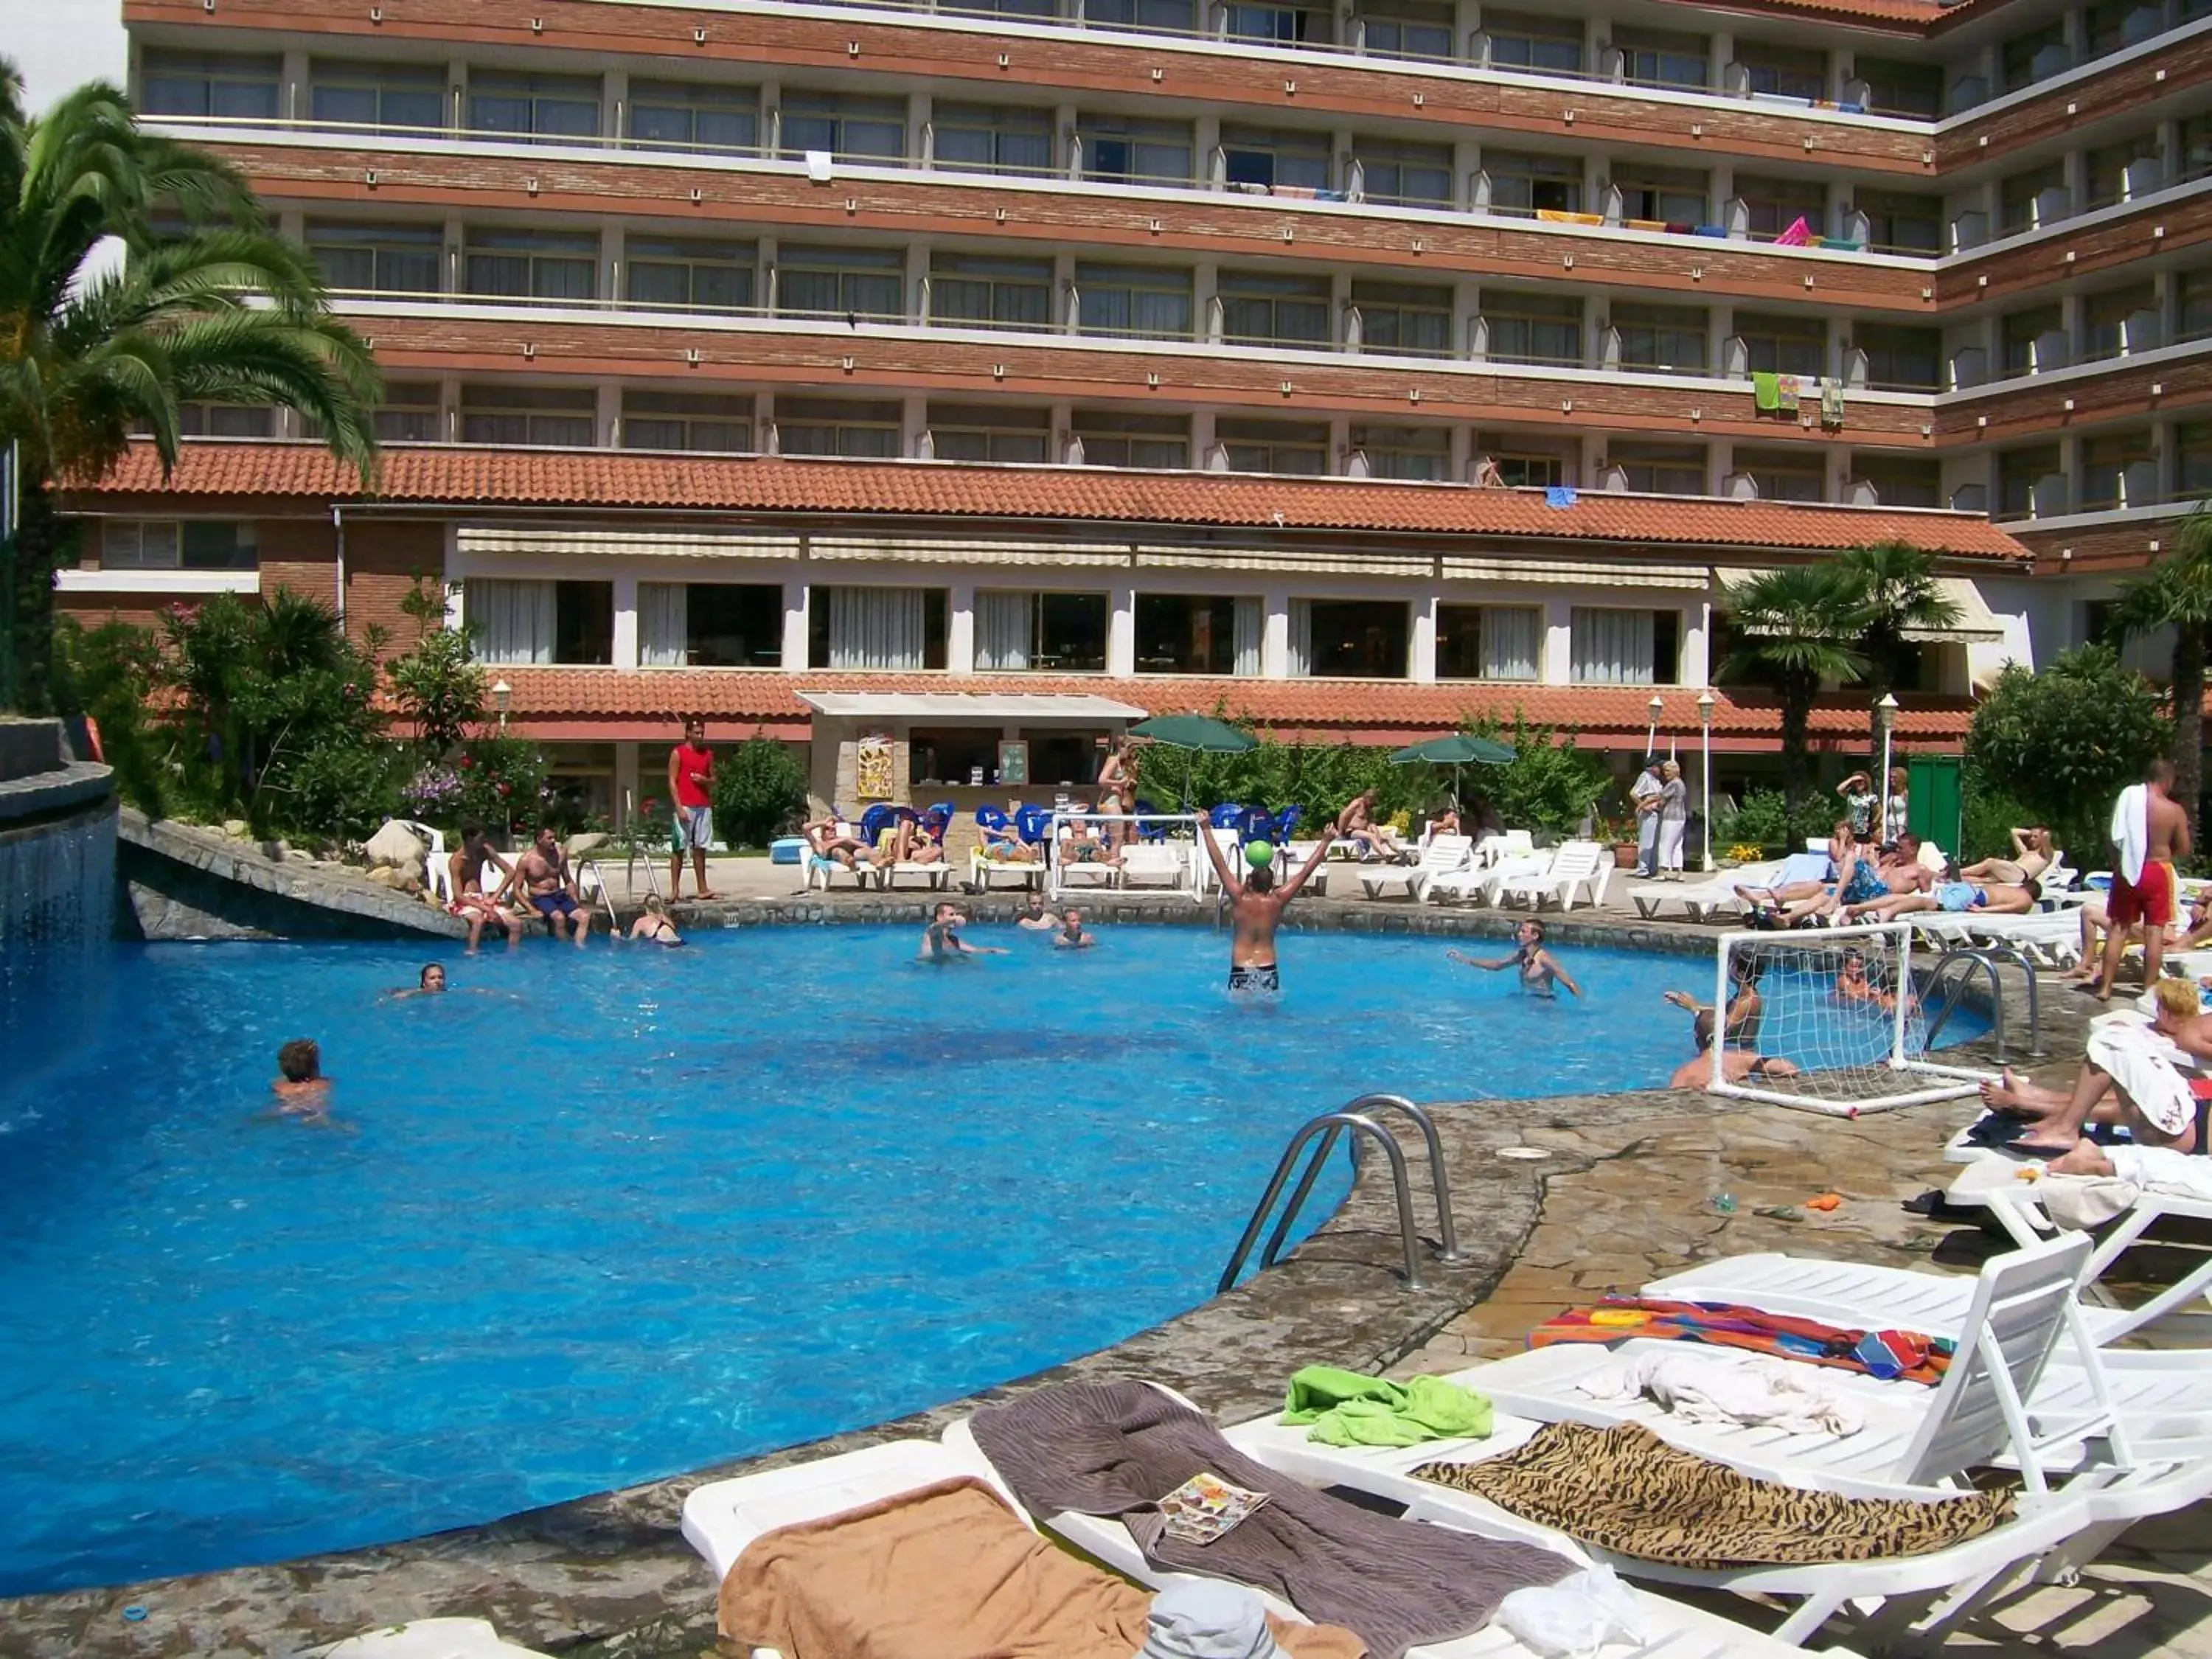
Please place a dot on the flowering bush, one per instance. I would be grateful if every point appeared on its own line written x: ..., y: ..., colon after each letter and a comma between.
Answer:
x: 435, y: 794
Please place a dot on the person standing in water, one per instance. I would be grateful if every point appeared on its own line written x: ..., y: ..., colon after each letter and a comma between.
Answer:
x: 1256, y: 903
x: 1540, y: 969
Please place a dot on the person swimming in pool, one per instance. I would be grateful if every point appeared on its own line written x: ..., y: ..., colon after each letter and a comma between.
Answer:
x: 1736, y: 1064
x: 1072, y: 936
x: 1256, y: 903
x: 941, y: 941
x: 1034, y: 918
x: 1855, y: 989
x: 301, y: 1088
x: 430, y: 982
x: 653, y: 924
x: 1540, y: 969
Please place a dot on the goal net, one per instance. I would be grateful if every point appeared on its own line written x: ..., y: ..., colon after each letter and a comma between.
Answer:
x: 1832, y: 1019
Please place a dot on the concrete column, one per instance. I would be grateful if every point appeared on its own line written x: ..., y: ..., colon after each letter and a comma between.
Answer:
x: 1205, y: 138
x: 1202, y: 437
x: 1596, y: 32
x: 763, y: 421
x: 292, y: 101
x: 1063, y: 278
x: 1721, y: 54
x: 1466, y: 161
x: 917, y: 268
x: 918, y: 107
x: 457, y: 93
x: 1467, y: 18
x: 1462, y: 456
x: 1720, y: 461
x: 1697, y: 643
x: 1205, y: 281
x: 1121, y: 630
x: 456, y: 272
x: 1340, y: 303
x: 607, y: 416
x: 771, y: 100
x: 626, y: 794
x: 625, y: 620
x: 1422, y: 667
x: 1720, y: 323
x: 613, y: 245
x: 1339, y: 442
x: 1060, y: 420
x: 1719, y: 187
x: 913, y: 420
x: 614, y: 102
x: 1467, y: 306
x: 1556, y: 668
x: 1275, y: 634
x: 794, y: 624
x: 960, y: 629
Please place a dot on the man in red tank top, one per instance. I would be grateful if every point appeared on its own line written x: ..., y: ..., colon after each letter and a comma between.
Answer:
x: 691, y: 772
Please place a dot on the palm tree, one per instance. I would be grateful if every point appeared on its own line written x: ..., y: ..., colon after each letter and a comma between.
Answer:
x: 1894, y: 591
x: 2177, y: 593
x: 1793, y: 628
x: 222, y: 310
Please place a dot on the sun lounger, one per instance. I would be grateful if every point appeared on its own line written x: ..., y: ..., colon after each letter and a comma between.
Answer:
x: 1155, y: 864
x: 1671, y: 1629
x: 1576, y: 867
x: 430, y: 1639
x: 1441, y: 857
x: 1702, y: 901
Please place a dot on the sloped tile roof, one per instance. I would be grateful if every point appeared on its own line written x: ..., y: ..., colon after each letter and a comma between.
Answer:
x: 476, y: 477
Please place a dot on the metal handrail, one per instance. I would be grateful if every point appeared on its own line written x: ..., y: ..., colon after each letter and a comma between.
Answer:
x: 1969, y: 957
x: 1439, y: 1182
x: 1997, y: 952
x: 1328, y: 1126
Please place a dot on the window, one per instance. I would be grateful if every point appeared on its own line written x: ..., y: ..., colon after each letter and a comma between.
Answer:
x: 1623, y: 647
x: 1141, y: 301
x: 552, y: 417
x: 1899, y: 222
x: 1784, y: 71
x: 1487, y: 641
x: 532, y: 264
x: 1901, y: 357
x: 1533, y: 328
x: 2030, y: 200
x: 1661, y: 339
x: 1894, y: 88
x: 1156, y: 16
x: 815, y: 281
x: 1288, y: 446
x: 525, y: 623
x: 170, y: 544
x: 879, y: 628
x: 1262, y: 308
x: 2192, y: 292
x: 2120, y: 172
x: 1405, y: 28
x: 1658, y: 469
x: 1277, y: 26
x: 377, y: 259
x: 1784, y: 474
x: 2029, y: 483
x: 1259, y: 159
x: 1662, y: 58
x: 1782, y: 345
x: 2028, y: 347
x: 1112, y: 438
x: 1539, y: 45
x: 387, y: 97
x: 1404, y: 174
x: 982, y: 290
x: 2118, y: 23
x: 2196, y: 147
x: 1404, y: 318
x: 546, y: 106
x: 1418, y: 454
x: 709, y: 625
x: 848, y: 126
x: 211, y: 420
x: 1525, y: 185
x: 2119, y: 469
x: 1657, y: 194
x: 2120, y: 320
x: 1901, y: 480
x: 1525, y: 463
x: 1033, y: 9
x: 2192, y: 458
x: 1349, y: 639
x: 687, y: 115
x: 1774, y: 204
x: 2037, y: 56
x: 195, y: 85
x: 1130, y: 151
x: 1040, y: 632
x: 681, y: 272
x: 407, y: 413
x: 858, y: 429
x: 990, y: 432
x: 991, y: 138
x: 1177, y: 634
x: 703, y: 422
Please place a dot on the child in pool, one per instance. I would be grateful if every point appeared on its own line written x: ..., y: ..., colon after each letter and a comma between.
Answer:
x: 301, y: 1088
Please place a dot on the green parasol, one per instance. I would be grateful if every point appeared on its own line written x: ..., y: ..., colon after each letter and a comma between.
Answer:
x: 1200, y: 732
x: 1456, y: 750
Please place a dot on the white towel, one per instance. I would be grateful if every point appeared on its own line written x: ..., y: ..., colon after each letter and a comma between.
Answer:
x: 2142, y: 1064
x: 2161, y: 1169
x: 1704, y: 1385
x: 2131, y: 830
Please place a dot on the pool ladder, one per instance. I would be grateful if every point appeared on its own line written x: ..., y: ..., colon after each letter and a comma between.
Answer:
x: 1322, y: 1135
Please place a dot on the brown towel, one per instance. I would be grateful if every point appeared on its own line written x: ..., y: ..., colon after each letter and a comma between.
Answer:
x: 1115, y: 1448
x: 1626, y: 1490
x: 945, y: 1571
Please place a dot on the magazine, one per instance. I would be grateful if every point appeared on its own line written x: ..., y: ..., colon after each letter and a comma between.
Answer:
x: 1206, y: 1506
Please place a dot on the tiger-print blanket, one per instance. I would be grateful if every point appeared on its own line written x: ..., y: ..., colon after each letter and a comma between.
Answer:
x: 1624, y: 1489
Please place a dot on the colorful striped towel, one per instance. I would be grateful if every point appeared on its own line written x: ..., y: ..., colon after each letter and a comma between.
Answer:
x: 1888, y: 1355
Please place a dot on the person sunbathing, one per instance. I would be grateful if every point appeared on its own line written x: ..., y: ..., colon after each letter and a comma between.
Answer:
x: 2031, y: 857
x: 1377, y: 842
x: 833, y: 841
x: 1958, y: 897
x: 1856, y: 879
x: 1001, y: 843
x: 1540, y: 969
x: 1081, y: 842
x: 1736, y: 1064
x: 2159, y: 1103
x: 2188, y: 932
x: 918, y: 840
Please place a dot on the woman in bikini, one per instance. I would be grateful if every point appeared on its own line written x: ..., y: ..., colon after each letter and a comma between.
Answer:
x: 654, y: 927
x: 2032, y: 856
x: 1117, y: 788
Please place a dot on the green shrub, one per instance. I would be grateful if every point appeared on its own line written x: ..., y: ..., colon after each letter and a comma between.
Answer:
x: 107, y: 674
x: 759, y: 791
x: 1549, y: 786
x: 2064, y: 742
x: 1763, y: 819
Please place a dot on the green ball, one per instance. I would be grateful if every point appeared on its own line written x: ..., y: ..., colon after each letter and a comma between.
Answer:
x: 1259, y: 854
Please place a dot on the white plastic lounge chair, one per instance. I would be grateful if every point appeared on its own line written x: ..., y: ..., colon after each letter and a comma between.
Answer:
x: 933, y: 874
x: 1576, y: 867
x: 430, y: 1639
x: 1443, y: 855
x: 1673, y: 1629
x: 1702, y: 901
x: 437, y: 873
x: 1155, y: 864
x: 824, y: 873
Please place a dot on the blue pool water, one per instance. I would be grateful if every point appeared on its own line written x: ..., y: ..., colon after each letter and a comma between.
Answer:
x: 590, y: 1220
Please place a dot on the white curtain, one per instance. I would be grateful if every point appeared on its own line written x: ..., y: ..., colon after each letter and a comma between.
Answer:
x: 663, y: 631
x: 1509, y: 643
x: 1612, y: 647
x: 513, y: 620
x: 1002, y: 632
x: 876, y: 627
x: 1301, y: 664
x: 1251, y: 621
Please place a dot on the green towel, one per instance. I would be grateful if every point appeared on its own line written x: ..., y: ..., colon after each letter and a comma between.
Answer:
x: 1346, y: 1409
x: 1766, y: 392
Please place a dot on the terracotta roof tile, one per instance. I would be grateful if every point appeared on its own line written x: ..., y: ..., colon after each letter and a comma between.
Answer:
x: 491, y: 478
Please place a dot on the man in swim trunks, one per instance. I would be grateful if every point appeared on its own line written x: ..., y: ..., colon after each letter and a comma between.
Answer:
x: 1540, y: 969
x: 2191, y: 932
x: 1037, y: 918
x: 550, y: 886
x: 834, y: 843
x: 1736, y: 1064
x: 2161, y: 1117
x: 1070, y: 936
x: 1989, y: 899
x: 1256, y: 903
x: 2148, y: 898
x: 941, y: 941
x: 465, y: 864
x: 691, y: 775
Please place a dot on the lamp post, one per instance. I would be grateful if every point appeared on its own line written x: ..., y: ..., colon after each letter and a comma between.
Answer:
x: 1657, y: 706
x: 1705, y: 770
x: 501, y: 691
x: 1885, y: 719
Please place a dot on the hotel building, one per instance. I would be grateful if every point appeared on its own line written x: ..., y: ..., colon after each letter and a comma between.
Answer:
x: 998, y: 370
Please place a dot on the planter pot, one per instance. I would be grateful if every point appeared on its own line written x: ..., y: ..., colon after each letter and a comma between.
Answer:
x: 1624, y: 856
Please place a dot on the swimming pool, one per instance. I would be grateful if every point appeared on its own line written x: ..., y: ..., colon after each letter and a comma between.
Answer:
x: 594, y: 1218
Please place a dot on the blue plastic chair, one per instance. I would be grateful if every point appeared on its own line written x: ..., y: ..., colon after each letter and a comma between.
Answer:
x: 1256, y: 823
x: 1285, y: 823
x: 990, y: 818
x: 877, y: 819
x: 943, y: 810
x: 1030, y: 823
x: 1224, y: 817
x: 1149, y: 831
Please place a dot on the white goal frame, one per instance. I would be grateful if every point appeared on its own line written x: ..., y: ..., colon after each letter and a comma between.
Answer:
x: 1920, y: 1080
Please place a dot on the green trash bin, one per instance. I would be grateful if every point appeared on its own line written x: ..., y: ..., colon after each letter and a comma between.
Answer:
x: 1937, y: 808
